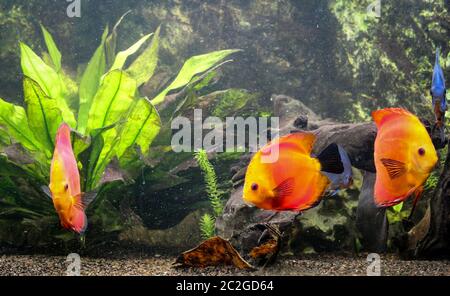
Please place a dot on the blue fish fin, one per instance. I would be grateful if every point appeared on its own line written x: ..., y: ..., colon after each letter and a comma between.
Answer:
x: 330, y: 160
x: 345, y: 161
x: 336, y: 165
x: 332, y: 192
x: 335, y: 179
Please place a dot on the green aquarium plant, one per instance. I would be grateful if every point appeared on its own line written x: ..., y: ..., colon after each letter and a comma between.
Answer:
x: 395, y: 213
x: 113, y: 124
x: 207, y: 222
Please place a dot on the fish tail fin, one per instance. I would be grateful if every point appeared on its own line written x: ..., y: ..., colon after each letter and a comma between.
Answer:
x: 335, y: 164
x: 345, y: 161
x: 330, y: 160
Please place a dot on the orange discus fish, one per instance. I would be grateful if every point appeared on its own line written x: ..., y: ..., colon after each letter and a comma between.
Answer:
x: 65, y: 183
x: 295, y: 180
x: 404, y: 156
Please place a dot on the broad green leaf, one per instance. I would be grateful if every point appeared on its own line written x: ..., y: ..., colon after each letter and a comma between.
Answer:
x: 4, y: 137
x: 112, y: 101
x: 71, y: 88
x: 90, y: 82
x: 43, y: 113
x: 109, y: 141
x: 193, y: 66
x: 14, y: 120
x: 80, y: 143
x: 47, y: 79
x: 35, y: 68
x: 111, y: 41
x: 91, y: 157
x: 144, y: 66
x: 141, y: 127
x: 122, y: 56
x: 111, y: 105
x: 55, y: 54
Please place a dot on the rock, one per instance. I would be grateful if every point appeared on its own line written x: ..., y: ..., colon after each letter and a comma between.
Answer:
x: 243, y: 225
x: 289, y: 110
x: 185, y: 235
x: 327, y: 227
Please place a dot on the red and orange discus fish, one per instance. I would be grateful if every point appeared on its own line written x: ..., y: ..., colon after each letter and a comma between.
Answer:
x: 295, y: 180
x: 65, y: 183
x: 404, y: 156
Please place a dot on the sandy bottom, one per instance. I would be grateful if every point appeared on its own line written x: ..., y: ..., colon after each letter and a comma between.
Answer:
x: 328, y: 264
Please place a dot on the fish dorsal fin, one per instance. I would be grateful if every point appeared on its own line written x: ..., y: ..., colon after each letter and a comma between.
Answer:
x: 379, y: 115
x: 395, y: 168
x: 330, y: 160
x: 303, y: 140
x: 285, y: 188
x: 83, y: 200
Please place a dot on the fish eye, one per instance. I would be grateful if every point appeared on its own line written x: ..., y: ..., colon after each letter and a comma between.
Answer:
x: 421, y: 151
x: 254, y: 186
x: 66, y: 187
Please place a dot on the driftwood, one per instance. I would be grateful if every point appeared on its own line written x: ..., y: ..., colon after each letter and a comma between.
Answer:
x: 246, y: 224
x: 371, y: 221
x: 436, y: 242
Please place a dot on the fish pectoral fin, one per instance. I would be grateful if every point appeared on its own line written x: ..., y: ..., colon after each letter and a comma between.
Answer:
x: 47, y: 191
x: 79, y: 205
x: 89, y: 197
x: 83, y: 200
x: 285, y: 188
x: 395, y: 168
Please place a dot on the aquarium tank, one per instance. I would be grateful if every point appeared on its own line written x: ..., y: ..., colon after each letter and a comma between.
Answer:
x: 215, y: 138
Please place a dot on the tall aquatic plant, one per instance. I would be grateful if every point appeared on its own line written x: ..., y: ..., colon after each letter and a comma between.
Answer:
x: 113, y: 123
x: 207, y: 222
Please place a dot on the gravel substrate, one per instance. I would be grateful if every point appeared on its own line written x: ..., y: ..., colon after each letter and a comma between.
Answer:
x: 329, y: 264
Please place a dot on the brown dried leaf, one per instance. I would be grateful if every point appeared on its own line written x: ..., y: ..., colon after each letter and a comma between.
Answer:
x: 267, y: 249
x: 212, y: 252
